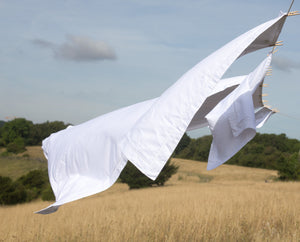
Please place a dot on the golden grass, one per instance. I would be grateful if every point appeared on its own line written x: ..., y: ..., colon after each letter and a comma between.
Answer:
x: 236, y: 205
x: 34, y: 152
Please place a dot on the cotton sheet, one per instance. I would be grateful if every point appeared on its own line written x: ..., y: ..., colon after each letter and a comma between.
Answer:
x: 151, y: 141
x: 86, y: 159
x: 233, y: 121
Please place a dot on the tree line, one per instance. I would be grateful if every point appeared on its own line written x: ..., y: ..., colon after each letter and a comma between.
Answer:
x: 268, y: 151
x: 18, y: 133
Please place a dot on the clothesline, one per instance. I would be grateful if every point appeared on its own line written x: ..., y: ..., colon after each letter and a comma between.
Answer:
x: 288, y: 116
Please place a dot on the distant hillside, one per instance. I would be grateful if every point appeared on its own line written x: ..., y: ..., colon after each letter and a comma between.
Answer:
x: 15, y: 166
x: 268, y: 151
x: 19, y: 132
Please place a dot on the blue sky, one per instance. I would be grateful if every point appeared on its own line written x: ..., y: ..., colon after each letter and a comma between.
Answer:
x: 75, y: 60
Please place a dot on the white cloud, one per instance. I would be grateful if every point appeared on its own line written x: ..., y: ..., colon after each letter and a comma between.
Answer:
x: 79, y: 49
x: 285, y: 64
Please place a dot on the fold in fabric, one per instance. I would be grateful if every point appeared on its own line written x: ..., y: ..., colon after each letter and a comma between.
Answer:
x: 88, y: 158
x: 150, y: 143
x: 84, y: 159
x: 233, y: 121
x: 222, y: 89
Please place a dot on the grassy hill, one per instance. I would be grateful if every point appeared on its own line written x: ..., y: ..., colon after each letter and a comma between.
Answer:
x: 15, y: 166
x: 230, y: 203
x: 195, y: 171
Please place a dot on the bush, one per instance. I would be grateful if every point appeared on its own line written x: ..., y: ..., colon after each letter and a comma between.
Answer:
x: 17, y: 195
x: 5, y: 184
x: 14, y: 129
x: 28, y: 187
x: 1, y: 141
x: 11, y: 192
x: 136, y: 179
x: 183, y: 143
x: 36, y: 179
x: 268, y: 151
x: 17, y: 146
x: 197, y: 149
x: 35, y: 182
x: 290, y: 169
x: 47, y: 194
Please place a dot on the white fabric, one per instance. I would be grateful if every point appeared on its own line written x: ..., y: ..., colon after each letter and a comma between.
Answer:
x: 223, y: 88
x: 151, y: 141
x: 85, y: 159
x: 262, y: 116
x: 233, y: 121
x: 88, y: 158
x: 76, y: 144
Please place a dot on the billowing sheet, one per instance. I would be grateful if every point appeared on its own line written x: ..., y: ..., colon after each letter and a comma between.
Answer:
x: 233, y: 121
x: 151, y: 141
x: 88, y: 158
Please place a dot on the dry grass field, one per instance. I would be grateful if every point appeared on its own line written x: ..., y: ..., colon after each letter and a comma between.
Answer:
x: 229, y: 203
x: 15, y: 166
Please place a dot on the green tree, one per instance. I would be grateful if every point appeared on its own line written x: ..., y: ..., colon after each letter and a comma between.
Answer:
x: 183, y: 143
x: 47, y: 194
x: 36, y: 179
x: 197, y: 149
x: 28, y: 187
x: 290, y: 169
x: 263, y: 151
x: 43, y: 130
x: 14, y: 129
x: 17, y: 146
x: 11, y: 192
x: 136, y: 179
x: 32, y: 134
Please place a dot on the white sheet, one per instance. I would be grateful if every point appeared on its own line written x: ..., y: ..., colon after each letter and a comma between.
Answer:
x: 88, y: 158
x: 233, y: 121
x: 151, y: 141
